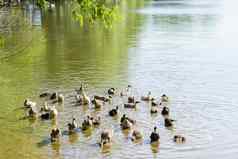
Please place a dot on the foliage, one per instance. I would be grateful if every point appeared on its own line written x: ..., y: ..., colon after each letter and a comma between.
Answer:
x: 93, y: 10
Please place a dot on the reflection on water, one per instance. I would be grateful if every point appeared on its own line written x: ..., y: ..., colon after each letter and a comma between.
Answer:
x: 186, y: 49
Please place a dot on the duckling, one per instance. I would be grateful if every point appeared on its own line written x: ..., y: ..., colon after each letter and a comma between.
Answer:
x: 101, y: 98
x: 165, y: 111
x: 29, y: 104
x: 54, y: 96
x: 85, y: 99
x: 72, y: 126
x: 45, y: 108
x: 55, y: 134
x: 136, y: 135
x: 131, y: 99
x: 164, y: 98
x: 96, y: 121
x: 126, y: 124
x: 87, y: 123
x: 168, y: 122
x: 124, y: 117
x: 154, y: 137
x: 106, y: 137
x: 97, y: 104
x: 111, y: 91
x: 32, y: 113
x: 60, y: 98
x: 45, y: 94
x: 131, y: 105
x: 154, y: 110
x: 52, y: 114
x: 113, y: 112
x: 179, y: 139
x: 154, y: 103
x: 147, y: 98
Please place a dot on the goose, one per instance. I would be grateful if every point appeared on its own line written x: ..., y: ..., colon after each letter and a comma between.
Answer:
x: 136, y: 135
x: 165, y: 111
x: 73, y: 125
x: 55, y: 134
x: 179, y: 139
x: 154, y: 137
x: 111, y: 91
x: 147, y: 98
x: 131, y: 105
x: 168, y: 122
x: 29, y: 104
x: 106, y: 137
x: 113, y: 112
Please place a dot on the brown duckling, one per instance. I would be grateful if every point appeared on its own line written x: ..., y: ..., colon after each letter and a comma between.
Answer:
x: 106, y: 137
x: 136, y: 135
x: 165, y: 111
x: 124, y: 117
x: 131, y: 105
x: 126, y: 124
x: 113, y: 112
x: 55, y: 134
x: 154, y: 137
x: 179, y: 139
x: 168, y: 122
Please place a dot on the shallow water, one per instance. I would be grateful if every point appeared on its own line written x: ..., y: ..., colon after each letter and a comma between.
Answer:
x: 186, y: 49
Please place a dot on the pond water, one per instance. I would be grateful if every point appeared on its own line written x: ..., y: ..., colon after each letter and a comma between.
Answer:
x: 184, y: 48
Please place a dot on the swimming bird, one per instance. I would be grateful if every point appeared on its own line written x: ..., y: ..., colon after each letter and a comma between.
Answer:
x: 131, y: 105
x: 131, y: 99
x: 29, y: 104
x: 97, y: 104
x: 73, y: 125
x: 96, y: 121
x: 168, y: 122
x: 154, y: 137
x: 51, y: 114
x: 179, y: 139
x: 164, y: 98
x: 111, y: 91
x: 148, y: 97
x: 126, y: 124
x: 106, y: 137
x: 45, y: 94
x: 113, y: 112
x: 165, y: 111
x: 55, y: 134
x: 124, y: 117
x: 154, y: 109
x: 87, y: 123
x: 136, y: 135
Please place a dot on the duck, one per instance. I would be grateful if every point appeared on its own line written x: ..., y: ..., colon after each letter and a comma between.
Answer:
x: 51, y: 114
x: 126, y: 124
x: 96, y: 121
x: 168, y: 122
x: 29, y: 104
x: 154, y: 110
x: 111, y: 91
x: 101, y: 98
x: 106, y: 137
x: 164, y: 98
x: 87, y: 123
x: 45, y: 108
x: 114, y: 111
x: 53, y: 96
x: 32, y: 113
x: 154, y: 137
x: 55, y: 134
x: 124, y: 117
x: 45, y: 94
x: 154, y: 103
x: 179, y: 139
x: 131, y: 105
x: 131, y: 99
x: 136, y: 135
x: 147, y: 98
x: 97, y: 104
x: 85, y: 99
x: 73, y: 125
x: 165, y: 111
